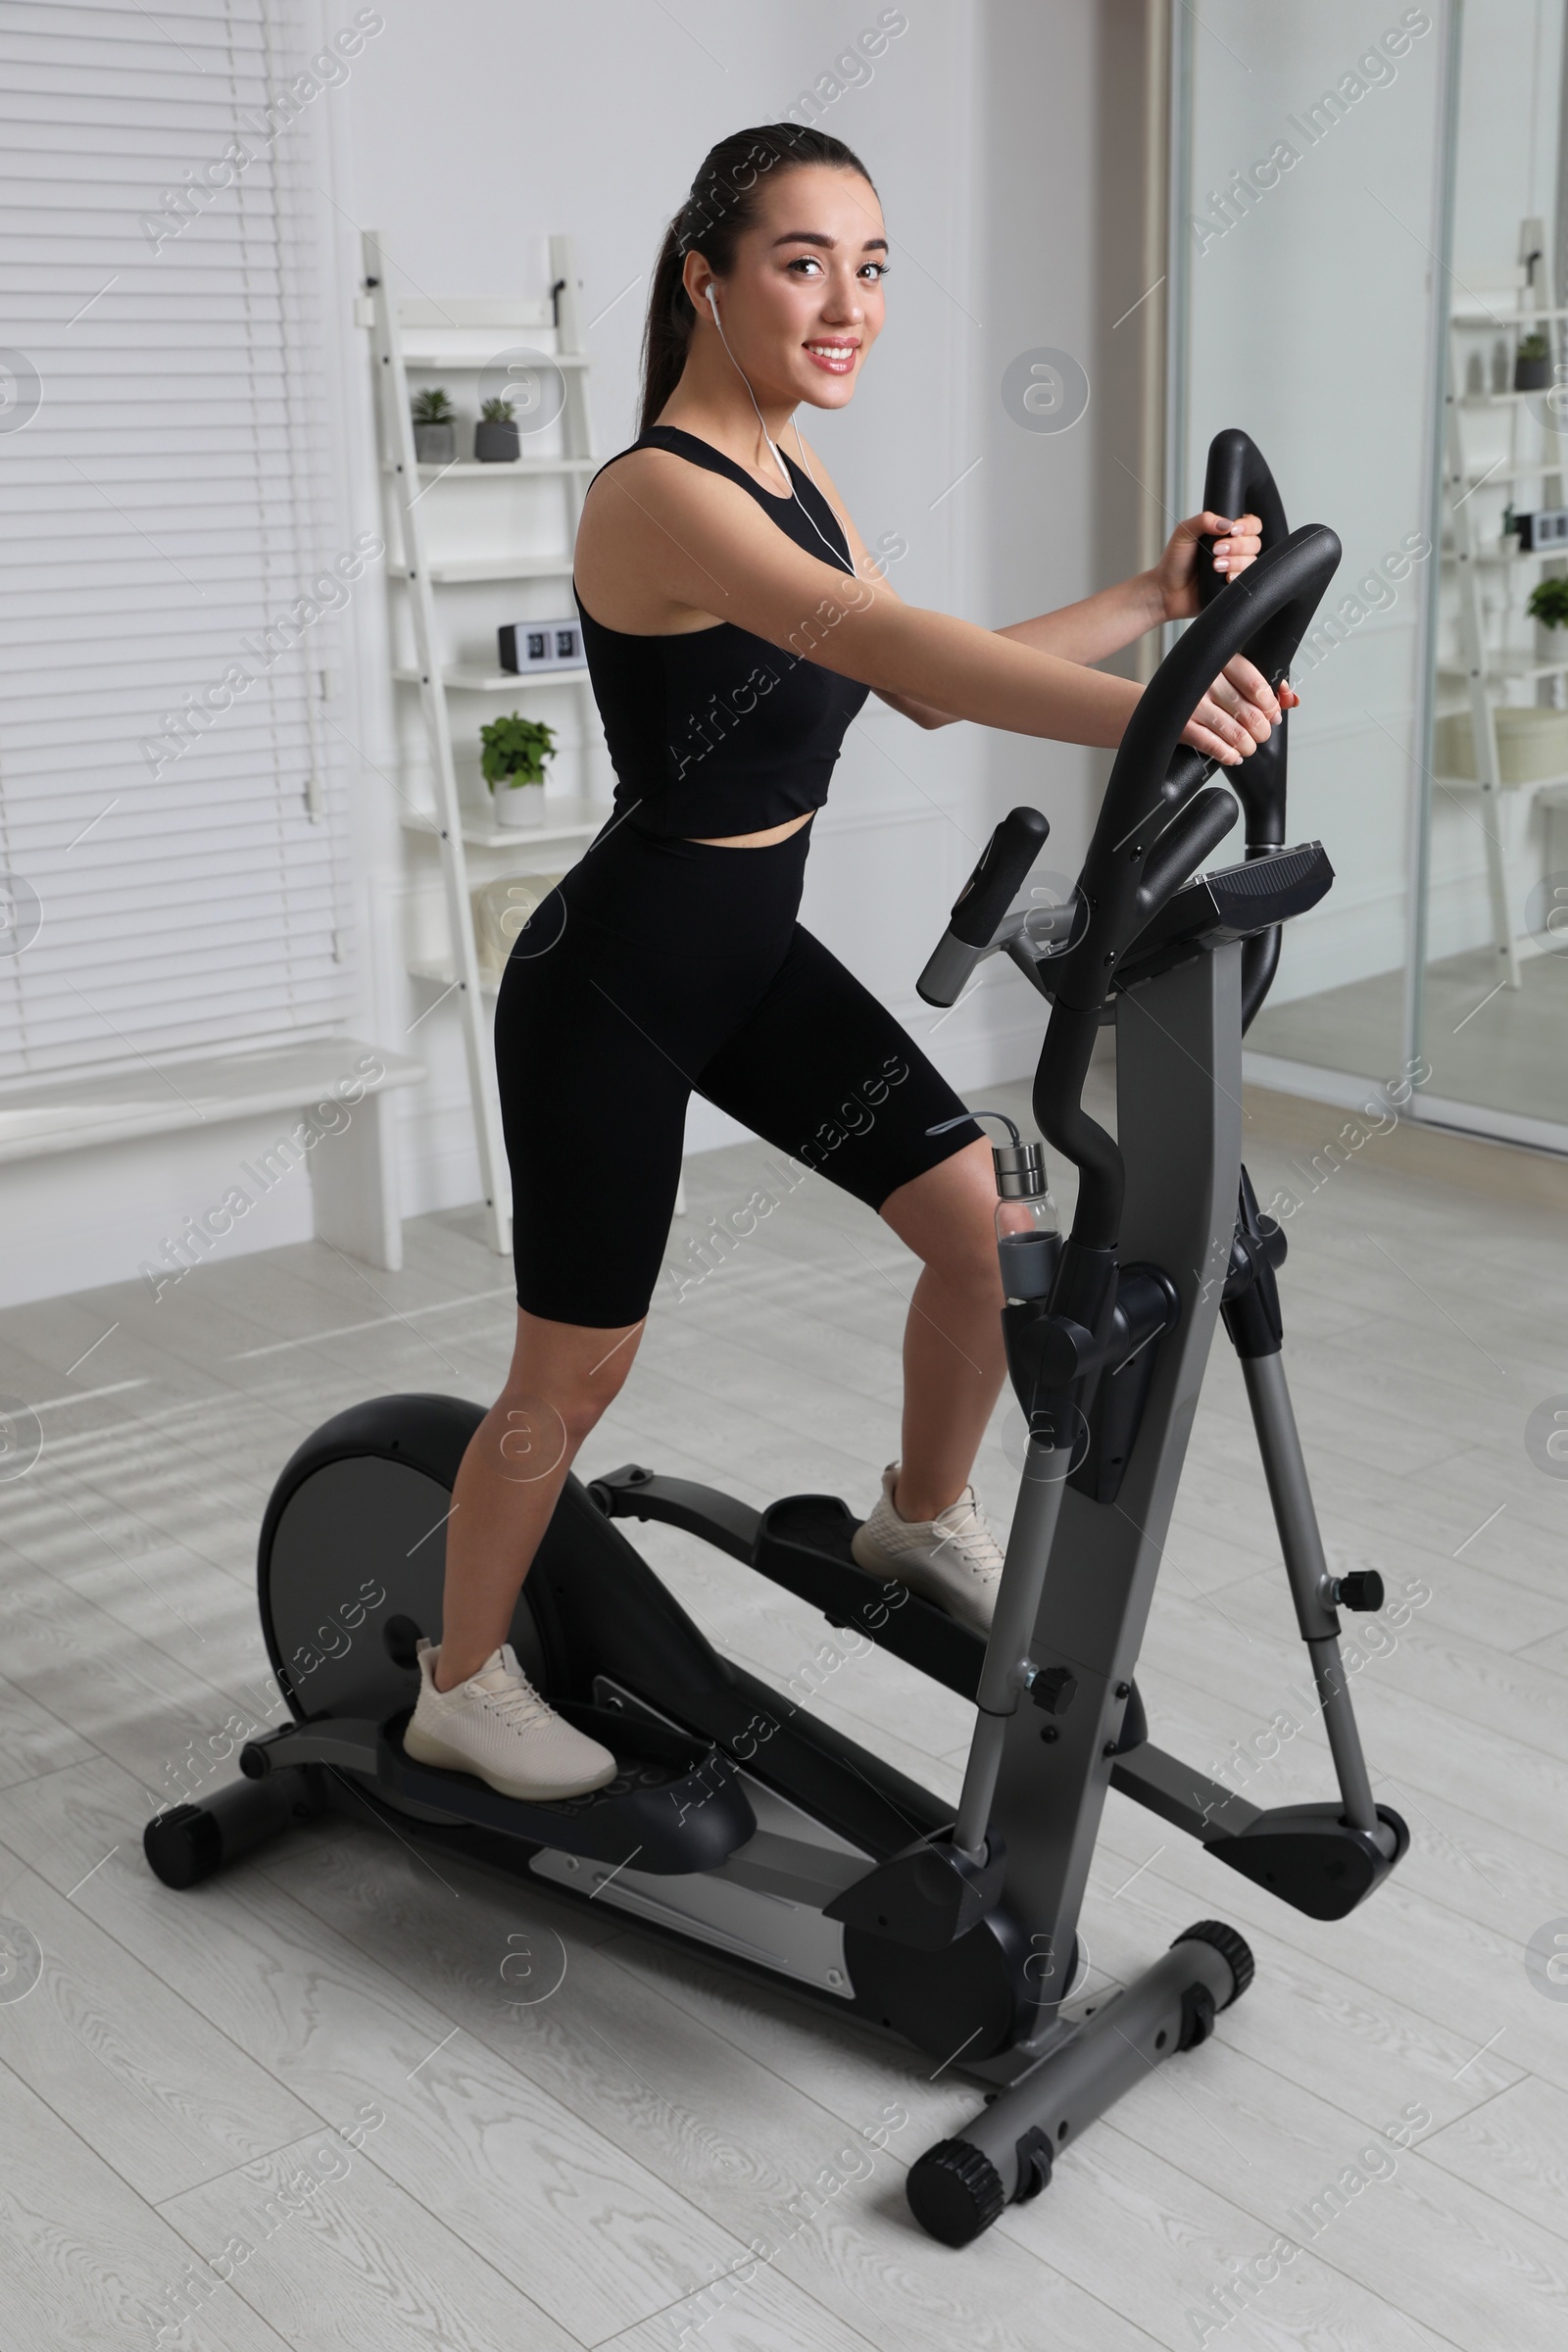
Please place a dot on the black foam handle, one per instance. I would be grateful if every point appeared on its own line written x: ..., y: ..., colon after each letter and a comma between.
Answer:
x: 1183, y: 846
x: 1238, y: 482
x: 1277, y: 594
x: 996, y: 881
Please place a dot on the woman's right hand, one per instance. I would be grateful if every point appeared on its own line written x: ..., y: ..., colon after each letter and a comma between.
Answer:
x: 1229, y: 736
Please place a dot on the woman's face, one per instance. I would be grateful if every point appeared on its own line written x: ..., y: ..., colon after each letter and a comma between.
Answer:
x: 803, y: 303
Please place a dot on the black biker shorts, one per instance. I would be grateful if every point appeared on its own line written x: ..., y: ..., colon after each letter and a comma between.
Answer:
x: 660, y: 968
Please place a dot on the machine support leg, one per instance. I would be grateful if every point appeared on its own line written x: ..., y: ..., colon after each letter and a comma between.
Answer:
x: 1280, y: 1444
x: 190, y: 1842
x: 1345, y: 1737
x: 1003, y: 1676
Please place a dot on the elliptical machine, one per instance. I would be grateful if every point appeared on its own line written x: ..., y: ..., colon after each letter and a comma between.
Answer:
x: 737, y: 1821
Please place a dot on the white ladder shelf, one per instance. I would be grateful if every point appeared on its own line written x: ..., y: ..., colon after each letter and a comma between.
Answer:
x: 459, y: 336
x: 1485, y: 670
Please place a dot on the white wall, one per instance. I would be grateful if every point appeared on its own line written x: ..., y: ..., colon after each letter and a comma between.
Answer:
x: 1036, y: 512
x: 1309, y: 314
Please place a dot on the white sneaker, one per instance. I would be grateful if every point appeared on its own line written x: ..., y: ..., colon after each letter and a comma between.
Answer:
x: 496, y: 1726
x: 953, y: 1559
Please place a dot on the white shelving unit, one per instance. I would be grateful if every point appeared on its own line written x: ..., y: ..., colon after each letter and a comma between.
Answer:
x: 1491, y: 575
x: 462, y: 540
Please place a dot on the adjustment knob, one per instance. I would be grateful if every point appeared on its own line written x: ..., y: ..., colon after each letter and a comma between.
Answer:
x: 1052, y: 1689
x: 1360, y: 1591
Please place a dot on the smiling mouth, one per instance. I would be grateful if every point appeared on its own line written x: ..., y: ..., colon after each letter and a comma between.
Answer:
x: 837, y: 357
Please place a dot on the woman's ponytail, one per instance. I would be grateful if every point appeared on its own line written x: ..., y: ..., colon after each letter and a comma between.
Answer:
x: 667, y: 333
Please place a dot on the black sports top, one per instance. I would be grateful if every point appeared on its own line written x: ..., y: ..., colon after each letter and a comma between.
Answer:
x: 716, y: 731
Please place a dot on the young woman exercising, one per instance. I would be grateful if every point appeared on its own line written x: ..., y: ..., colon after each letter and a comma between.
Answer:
x: 734, y: 625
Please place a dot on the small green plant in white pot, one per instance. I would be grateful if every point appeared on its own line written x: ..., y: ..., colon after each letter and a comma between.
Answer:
x: 1548, y: 607
x: 1549, y: 602
x: 514, y: 755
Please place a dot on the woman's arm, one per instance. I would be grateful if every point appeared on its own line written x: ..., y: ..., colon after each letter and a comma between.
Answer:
x: 1101, y: 625
x: 707, y: 548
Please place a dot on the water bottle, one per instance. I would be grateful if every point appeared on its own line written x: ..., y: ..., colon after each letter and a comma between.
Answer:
x: 1028, y: 1229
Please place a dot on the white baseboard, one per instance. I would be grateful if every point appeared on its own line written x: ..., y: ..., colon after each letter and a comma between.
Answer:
x: 1493, y: 1126
x: 1347, y: 1092
x: 1342, y: 1088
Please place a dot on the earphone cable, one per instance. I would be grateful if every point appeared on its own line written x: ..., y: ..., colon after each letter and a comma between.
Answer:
x: 778, y: 456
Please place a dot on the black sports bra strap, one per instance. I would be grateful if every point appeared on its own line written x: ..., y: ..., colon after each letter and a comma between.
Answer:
x: 697, y: 452
x: 802, y: 506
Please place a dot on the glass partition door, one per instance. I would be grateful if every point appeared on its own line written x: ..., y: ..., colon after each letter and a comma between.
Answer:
x: 1492, y: 944
x: 1307, y: 206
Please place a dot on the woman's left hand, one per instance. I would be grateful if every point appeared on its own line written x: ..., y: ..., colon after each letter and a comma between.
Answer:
x: 1236, y: 544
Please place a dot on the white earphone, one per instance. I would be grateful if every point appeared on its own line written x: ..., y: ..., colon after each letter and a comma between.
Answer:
x: 778, y: 457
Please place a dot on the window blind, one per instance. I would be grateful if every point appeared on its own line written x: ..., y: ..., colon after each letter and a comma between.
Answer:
x: 173, y: 811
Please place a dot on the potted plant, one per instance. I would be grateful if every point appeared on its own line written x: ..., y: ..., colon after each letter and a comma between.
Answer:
x: 435, y: 434
x: 495, y: 436
x: 1549, y: 602
x: 511, y: 759
x: 1532, y: 365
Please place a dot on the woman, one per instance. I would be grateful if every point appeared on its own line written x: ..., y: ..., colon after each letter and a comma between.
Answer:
x: 733, y: 624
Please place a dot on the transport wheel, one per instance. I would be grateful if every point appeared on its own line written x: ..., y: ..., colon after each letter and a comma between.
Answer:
x: 1232, y: 1949
x: 955, y: 2192
x: 1199, y: 2006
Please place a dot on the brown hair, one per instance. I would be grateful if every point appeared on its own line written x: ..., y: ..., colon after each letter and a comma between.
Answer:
x: 722, y: 203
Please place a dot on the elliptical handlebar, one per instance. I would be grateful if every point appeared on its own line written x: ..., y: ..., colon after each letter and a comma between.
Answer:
x: 981, y: 903
x: 1148, y: 838
x: 1237, y: 481
x: 1279, y: 593
x: 1283, y: 586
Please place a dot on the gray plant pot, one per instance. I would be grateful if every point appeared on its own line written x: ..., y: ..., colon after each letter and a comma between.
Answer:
x: 435, y: 444
x: 1531, y: 376
x: 496, y: 444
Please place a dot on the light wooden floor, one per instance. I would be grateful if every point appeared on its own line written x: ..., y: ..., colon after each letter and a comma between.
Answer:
x: 564, y: 2159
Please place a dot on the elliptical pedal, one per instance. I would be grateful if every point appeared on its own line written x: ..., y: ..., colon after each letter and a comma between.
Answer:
x: 672, y: 1806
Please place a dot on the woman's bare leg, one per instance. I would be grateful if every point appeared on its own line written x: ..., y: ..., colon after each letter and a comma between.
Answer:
x: 563, y: 1375
x: 953, y: 1360
x: 562, y: 1378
